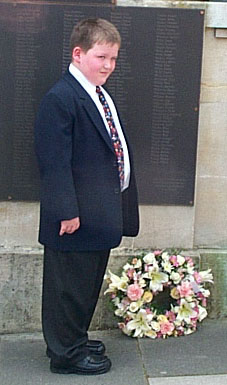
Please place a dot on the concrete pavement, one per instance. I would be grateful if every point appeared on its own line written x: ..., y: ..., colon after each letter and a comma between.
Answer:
x: 197, y: 359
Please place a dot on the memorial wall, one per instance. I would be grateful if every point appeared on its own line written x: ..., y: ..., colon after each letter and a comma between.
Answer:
x: 31, y: 60
x: 156, y: 86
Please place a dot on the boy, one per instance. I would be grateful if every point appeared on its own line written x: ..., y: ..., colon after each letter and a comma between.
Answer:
x: 88, y: 196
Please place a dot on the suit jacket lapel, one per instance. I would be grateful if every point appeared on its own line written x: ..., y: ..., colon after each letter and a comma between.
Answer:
x: 96, y: 118
x: 90, y: 108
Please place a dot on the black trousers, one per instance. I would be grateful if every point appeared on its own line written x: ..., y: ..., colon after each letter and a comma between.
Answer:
x: 71, y: 286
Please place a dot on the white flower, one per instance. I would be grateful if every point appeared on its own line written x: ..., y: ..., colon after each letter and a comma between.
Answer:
x: 151, y: 334
x: 155, y: 326
x: 121, y: 308
x: 165, y: 256
x: 177, y: 322
x: 138, y: 323
x: 116, y: 301
x: 185, y: 311
x: 180, y: 260
x: 124, y: 329
x: 117, y: 283
x: 202, y: 313
x: 120, y: 312
x: 152, y: 267
x: 142, y: 282
x: 127, y: 267
x: 190, y: 269
x: 133, y: 307
x: 205, y: 292
x: 175, y: 277
x: 206, y: 276
x: 150, y: 317
x: 167, y: 266
x: 157, y: 279
x: 150, y: 259
x: 138, y: 264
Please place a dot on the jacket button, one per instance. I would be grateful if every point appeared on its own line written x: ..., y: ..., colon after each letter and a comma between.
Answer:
x: 115, y: 164
x: 116, y: 190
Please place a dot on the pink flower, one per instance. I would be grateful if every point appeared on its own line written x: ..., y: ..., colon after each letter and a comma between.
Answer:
x: 173, y: 260
x: 197, y: 277
x: 134, y: 292
x: 185, y: 289
x: 171, y: 316
x: 204, y: 302
x: 125, y: 302
x: 130, y: 273
x: 200, y: 295
x: 157, y: 252
x: 137, y: 277
x: 166, y: 327
x: 180, y: 271
x: 121, y: 325
x: 194, y: 322
x: 189, y: 261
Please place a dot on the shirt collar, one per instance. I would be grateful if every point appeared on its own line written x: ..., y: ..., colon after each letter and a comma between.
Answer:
x: 79, y: 76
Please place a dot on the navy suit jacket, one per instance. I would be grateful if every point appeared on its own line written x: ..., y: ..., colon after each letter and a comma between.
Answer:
x: 79, y: 175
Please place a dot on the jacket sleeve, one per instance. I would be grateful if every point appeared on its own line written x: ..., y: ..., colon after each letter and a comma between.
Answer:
x: 53, y: 146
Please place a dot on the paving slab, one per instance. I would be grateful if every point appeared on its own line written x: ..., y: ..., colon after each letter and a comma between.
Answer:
x: 190, y: 380
x: 201, y: 353
x: 197, y: 359
x: 23, y: 362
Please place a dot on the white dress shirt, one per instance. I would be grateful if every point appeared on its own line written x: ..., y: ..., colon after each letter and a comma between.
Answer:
x: 91, y: 90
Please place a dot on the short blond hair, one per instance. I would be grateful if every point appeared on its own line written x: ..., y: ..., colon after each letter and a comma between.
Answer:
x: 88, y: 32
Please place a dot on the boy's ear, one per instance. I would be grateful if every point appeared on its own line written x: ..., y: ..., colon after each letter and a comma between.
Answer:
x: 76, y: 54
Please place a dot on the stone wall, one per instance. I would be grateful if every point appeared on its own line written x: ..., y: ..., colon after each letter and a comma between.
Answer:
x: 196, y: 228
x: 204, y: 224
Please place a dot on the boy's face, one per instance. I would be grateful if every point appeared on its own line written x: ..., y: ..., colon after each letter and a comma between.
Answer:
x: 98, y: 63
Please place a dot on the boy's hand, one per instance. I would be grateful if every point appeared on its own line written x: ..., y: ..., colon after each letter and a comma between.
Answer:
x: 69, y: 226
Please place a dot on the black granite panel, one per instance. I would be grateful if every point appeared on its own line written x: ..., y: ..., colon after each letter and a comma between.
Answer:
x: 156, y: 86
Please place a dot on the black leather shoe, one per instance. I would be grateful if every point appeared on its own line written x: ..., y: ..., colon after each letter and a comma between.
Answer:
x: 90, y: 365
x: 94, y: 346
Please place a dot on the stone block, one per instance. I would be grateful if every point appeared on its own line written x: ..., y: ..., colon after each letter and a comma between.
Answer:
x: 3, y: 220
x: 217, y: 261
x: 216, y: 15
x: 19, y: 224
x: 212, y: 154
x: 214, y: 60
x: 213, y: 93
x: 20, y: 292
x: 211, y: 218
x: 165, y: 226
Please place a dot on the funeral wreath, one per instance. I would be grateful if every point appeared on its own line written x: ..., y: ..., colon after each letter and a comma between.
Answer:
x: 159, y: 294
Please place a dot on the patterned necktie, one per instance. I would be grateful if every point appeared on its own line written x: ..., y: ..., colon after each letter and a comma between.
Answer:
x: 114, y: 136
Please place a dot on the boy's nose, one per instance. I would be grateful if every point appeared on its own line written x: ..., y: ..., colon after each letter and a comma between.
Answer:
x: 107, y: 64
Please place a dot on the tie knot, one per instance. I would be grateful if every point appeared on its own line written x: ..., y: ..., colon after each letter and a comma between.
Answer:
x: 98, y: 89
